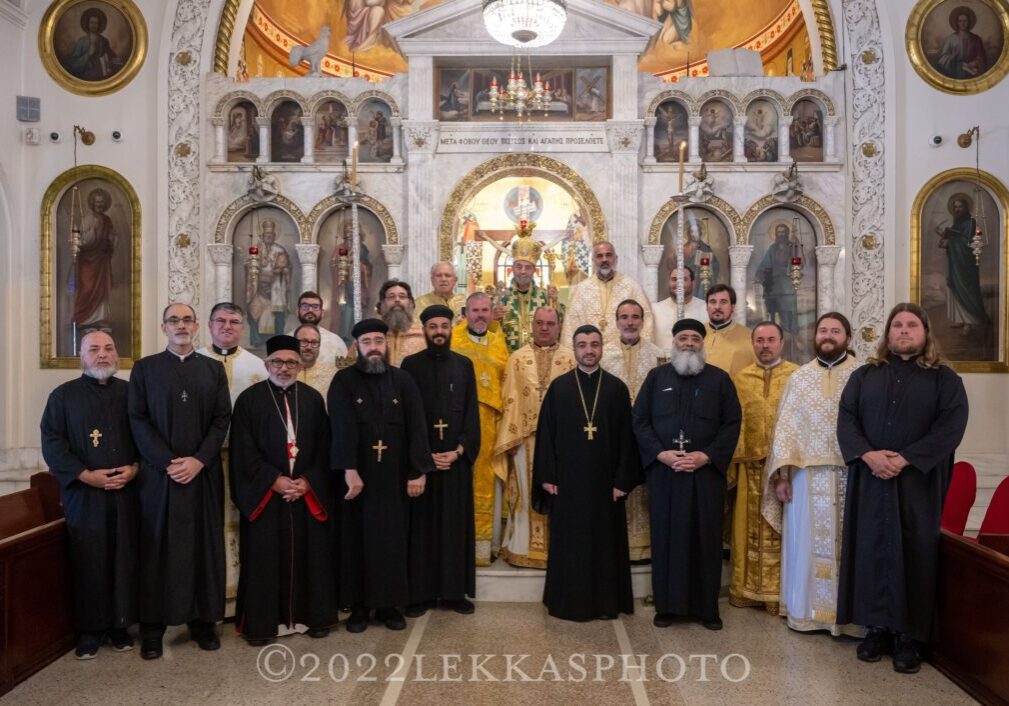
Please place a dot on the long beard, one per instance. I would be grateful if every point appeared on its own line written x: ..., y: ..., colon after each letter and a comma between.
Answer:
x: 688, y: 363
x: 399, y: 320
x: 372, y: 365
x: 101, y: 374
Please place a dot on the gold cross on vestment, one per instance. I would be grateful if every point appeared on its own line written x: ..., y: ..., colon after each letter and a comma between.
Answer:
x: 380, y: 447
x: 441, y: 426
x: 590, y: 429
x: 95, y: 436
x: 484, y: 379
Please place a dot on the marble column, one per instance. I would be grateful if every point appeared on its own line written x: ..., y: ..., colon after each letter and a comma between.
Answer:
x: 393, y: 259
x: 739, y: 258
x: 264, y: 140
x: 308, y: 256
x: 738, y: 137
x: 650, y: 140
x: 422, y: 213
x: 826, y: 264
x: 221, y: 255
x: 651, y: 256
x: 830, y: 138
x: 309, y: 132
x: 397, y: 130
x: 694, y: 138
x: 622, y: 227
x: 220, y: 146
x: 420, y: 101
x: 784, y: 141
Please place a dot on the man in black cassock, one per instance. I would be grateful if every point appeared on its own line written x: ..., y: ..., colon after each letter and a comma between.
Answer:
x: 380, y: 446
x: 442, y: 532
x: 687, y: 419
x: 87, y: 444
x: 281, y: 484
x: 586, y: 464
x: 179, y: 412
x: 900, y: 421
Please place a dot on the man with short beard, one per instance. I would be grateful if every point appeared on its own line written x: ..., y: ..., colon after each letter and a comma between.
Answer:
x: 686, y: 420
x: 442, y: 544
x: 805, y: 478
x: 901, y: 418
x: 756, y: 545
x: 405, y: 336
x: 594, y: 300
x: 380, y: 447
x: 86, y: 442
x: 487, y: 351
x: 311, y: 309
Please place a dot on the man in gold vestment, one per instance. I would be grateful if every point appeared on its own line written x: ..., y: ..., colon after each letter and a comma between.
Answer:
x: 631, y: 360
x: 489, y: 355
x: 443, y: 281
x: 529, y: 373
x: 756, y: 546
x: 727, y: 345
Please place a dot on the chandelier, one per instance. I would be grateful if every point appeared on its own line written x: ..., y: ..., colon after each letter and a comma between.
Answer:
x: 524, y: 23
x: 517, y: 95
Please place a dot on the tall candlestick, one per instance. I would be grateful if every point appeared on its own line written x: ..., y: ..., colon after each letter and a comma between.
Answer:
x: 683, y: 151
x: 353, y: 166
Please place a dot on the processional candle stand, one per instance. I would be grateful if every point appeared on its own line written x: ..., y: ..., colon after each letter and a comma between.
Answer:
x: 348, y: 194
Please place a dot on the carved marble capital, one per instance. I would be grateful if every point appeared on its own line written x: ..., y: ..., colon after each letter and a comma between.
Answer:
x: 651, y: 255
x: 420, y: 137
x: 623, y: 136
x: 221, y: 253
x: 739, y: 255
x: 827, y: 255
x: 307, y: 252
x: 393, y: 254
x: 650, y: 122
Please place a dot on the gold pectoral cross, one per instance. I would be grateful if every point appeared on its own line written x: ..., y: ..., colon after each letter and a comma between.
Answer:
x: 484, y: 379
x: 441, y: 426
x: 95, y: 436
x: 379, y: 448
x: 590, y: 429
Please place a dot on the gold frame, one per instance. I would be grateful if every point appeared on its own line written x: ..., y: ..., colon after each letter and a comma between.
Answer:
x: 47, y: 257
x: 912, y: 41
x: 999, y: 194
x: 92, y: 88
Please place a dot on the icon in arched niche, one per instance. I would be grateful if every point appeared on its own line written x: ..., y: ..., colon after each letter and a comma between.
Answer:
x: 705, y: 250
x: 331, y: 132
x: 267, y: 273
x: 781, y: 278
x: 287, y: 133
x: 671, y: 130
x: 716, y: 132
x: 805, y: 135
x: 760, y: 141
x: 374, y: 130
x: 336, y: 275
x: 486, y: 230
x: 242, y: 133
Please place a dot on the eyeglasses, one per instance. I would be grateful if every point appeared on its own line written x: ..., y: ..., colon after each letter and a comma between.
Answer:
x: 278, y: 364
x: 175, y: 320
x: 309, y: 344
x: 310, y: 307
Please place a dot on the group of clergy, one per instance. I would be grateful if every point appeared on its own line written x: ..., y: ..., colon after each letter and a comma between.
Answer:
x: 608, y: 431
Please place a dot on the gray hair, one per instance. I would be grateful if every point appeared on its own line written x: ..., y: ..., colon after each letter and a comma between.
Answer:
x: 440, y: 263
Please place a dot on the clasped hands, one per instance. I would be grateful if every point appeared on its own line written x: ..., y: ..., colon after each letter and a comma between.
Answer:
x: 109, y: 478
x: 885, y: 464
x: 291, y: 489
x: 184, y: 469
x: 355, y: 484
x: 444, y: 460
x: 551, y: 488
x: 683, y: 461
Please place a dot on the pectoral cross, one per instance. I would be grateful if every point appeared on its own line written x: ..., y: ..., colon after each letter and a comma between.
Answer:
x: 681, y: 441
x: 590, y: 429
x: 185, y: 396
x: 379, y: 448
x: 484, y: 379
x: 292, y: 450
x: 95, y: 436
x: 441, y: 426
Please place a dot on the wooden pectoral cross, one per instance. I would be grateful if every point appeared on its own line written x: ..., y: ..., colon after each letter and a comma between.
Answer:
x: 590, y: 429
x: 379, y: 448
x: 95, y: 436
x: 681, y: 441
x: 441, y: 426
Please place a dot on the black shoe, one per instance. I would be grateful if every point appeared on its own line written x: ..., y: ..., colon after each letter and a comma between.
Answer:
x: 392, y: 618
x: 120, y: 639
x: 715, y: 624
x: 874, y: 645
x: 906, y: 656
x: 205, y: 638
x: 415, y: 610
x: 150, y: 648
x: 87, y: 645
x: 358, y: 620
x: 258, y: 641
x: 663, y: 620
x: 318, y: 632
x: 462, y: 606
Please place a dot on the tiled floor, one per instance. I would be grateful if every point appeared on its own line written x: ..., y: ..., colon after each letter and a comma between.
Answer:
x: 504, y: 653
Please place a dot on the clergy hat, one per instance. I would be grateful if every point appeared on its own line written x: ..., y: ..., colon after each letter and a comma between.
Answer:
x: 369, y: 326
x: 689, y: 325
x: 283, y: 343
x: 436, y: 311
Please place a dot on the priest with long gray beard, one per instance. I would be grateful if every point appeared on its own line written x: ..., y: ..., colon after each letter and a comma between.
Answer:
x: 686, y: 419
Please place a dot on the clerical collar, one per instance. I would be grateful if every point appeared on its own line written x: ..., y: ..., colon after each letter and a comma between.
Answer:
x: 223, y: 351
x: 828, y: 365
x: 775, y: 364
x: 544, y: 348
x: 182, y: 358
x: 474, y: 336
x: 588, y: 374
x: 437, y: 351
x: 278, y: 389
x: 719, y: 327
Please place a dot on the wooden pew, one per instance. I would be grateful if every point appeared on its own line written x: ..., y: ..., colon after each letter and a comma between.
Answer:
x: 973, y: 647
x: 36, y: 615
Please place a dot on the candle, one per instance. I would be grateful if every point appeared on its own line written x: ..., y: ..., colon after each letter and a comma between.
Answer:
x: 353, y: 166
x: 683, y: 150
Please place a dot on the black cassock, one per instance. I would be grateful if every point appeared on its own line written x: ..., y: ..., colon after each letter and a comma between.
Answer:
x: 102, y: 524
x: 287, y: 550
x: 373, y: 415
x: 180, y: 407
x: 589, y: 569
x: 442, y: 534
x: 686, y: 508
x: 890, y: 549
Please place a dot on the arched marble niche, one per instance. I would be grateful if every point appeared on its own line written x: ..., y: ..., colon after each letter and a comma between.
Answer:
x: 708, y: 237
